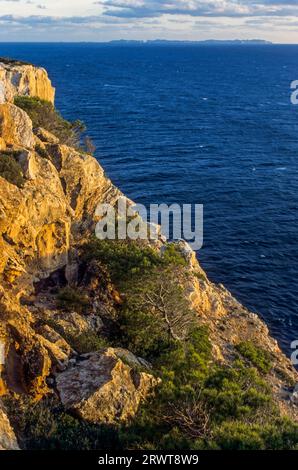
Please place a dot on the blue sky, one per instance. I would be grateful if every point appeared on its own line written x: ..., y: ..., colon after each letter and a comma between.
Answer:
x: 104, y: 20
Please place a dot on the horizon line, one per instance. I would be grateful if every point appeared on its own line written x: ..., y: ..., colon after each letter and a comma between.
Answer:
x: 261, y: 42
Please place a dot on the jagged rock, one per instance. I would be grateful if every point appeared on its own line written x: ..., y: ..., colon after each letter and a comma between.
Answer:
x: 22, y: 79
x: 59, y: 350
x: 8, y: 440
x: 83, y: 179
x: 101, y: 388
x: 15, y: 128
x: 28, y: 163
x: 69, y: 323
x: 46, y: 136
x: 36, y: 218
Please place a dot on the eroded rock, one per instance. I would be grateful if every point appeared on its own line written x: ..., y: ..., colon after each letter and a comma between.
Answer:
x: 105, y: 387
x: 15, y: 128
x: 22, y: 79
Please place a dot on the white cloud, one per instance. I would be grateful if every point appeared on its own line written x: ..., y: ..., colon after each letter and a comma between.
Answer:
x: 147, y: 19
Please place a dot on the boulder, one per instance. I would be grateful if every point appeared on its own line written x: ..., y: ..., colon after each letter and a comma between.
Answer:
x: 105, y: 387
x: 15, y: 128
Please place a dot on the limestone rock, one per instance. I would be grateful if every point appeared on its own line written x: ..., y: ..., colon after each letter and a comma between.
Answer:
x: 28, y: 163
x: 102, y: 388
x: 83, y: 179
x: 46, y: 136
x: 8, y: 440
x: 22, y: 79
x: 15, y: 128
x: 35, y: 218
x: 59, y: 350
x: 69, y: 323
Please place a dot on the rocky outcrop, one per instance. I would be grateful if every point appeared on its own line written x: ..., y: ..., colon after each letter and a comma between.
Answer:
x: 40, y: 226
x: 15, y: 128
x: 24, y: 79
x: 106, y: 386
x: 8, y: 440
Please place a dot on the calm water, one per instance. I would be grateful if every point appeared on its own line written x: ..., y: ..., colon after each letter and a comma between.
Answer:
x: 211, y: 125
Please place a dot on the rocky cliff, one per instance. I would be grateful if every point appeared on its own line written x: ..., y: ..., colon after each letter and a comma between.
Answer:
x: 17, y: 78
x: 44, y: 222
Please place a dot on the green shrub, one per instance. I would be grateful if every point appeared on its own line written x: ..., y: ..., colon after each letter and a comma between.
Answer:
x: 156, y: 311
x: 239, y: 436
x: 86, y: 342
x: 256, y: 355
x: 278, y: 434
x: 124, y: 259
x: 46, y: 426
x: 71, y: 299
x: 11, y: 170
x: 172, y: 256
x: 43, y: 114
x: 238, y: 391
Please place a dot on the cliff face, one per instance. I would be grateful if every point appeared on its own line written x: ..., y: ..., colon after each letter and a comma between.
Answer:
x: 43, y: 223
x: 22, y: 79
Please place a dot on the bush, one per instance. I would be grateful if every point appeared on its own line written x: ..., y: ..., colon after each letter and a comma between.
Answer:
x: 256, y: 355
x: 239, y: 436
x: 280, y: 434
x: 43, y: 114
x: 11, y: 170
x: 238, y: 391
x: 71, y: 299
x: 46, y: 426
x: 86, y: 342
x: 156, y: 311
x: 126, y: 259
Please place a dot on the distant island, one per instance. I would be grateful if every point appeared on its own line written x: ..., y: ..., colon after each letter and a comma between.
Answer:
x: 165, y: 42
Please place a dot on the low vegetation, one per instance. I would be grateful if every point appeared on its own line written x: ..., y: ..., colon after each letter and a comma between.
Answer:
x: 11, y: 170
x: 257, y: 356
x: 43, y: 114
x: 45, y: 425
x: 199, y: 403
x: 71, y: 299
x: 9, y: 61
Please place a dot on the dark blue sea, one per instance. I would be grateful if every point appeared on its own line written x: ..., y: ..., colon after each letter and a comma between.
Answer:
x: 211, y: 125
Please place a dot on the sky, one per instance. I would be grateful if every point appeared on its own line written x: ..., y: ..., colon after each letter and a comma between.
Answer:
x: 105, y: 20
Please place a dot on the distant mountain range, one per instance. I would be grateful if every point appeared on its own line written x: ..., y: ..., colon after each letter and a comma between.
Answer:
x: 208, y: 42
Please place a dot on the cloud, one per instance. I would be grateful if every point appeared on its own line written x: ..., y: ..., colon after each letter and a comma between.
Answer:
x: 147, y: 19
x: 197, y: 8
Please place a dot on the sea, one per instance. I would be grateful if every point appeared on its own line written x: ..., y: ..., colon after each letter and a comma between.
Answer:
x: 199, y: 124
